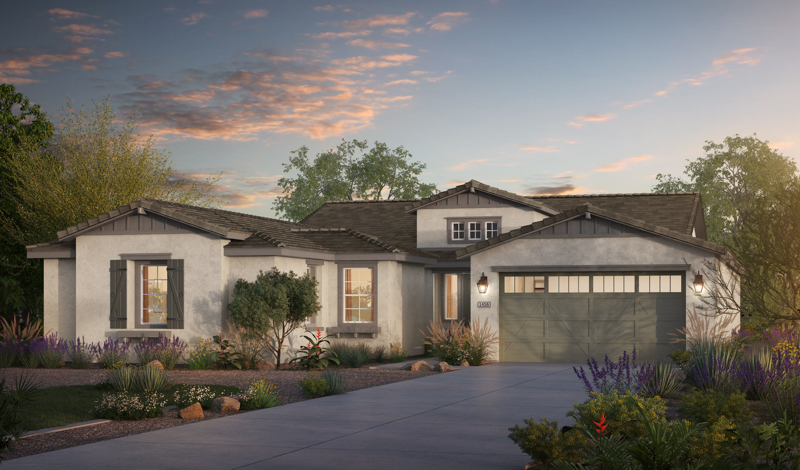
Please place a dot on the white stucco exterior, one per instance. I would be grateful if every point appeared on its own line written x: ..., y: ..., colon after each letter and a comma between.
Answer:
x: 432, y: 223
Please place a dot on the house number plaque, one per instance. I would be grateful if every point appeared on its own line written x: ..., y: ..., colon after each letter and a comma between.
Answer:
x: 484, y: 304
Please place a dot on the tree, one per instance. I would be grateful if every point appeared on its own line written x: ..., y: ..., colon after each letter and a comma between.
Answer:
x: 273, y: 306
x: 21, y: 279
x: 340, y: 175
x: 93, y: 166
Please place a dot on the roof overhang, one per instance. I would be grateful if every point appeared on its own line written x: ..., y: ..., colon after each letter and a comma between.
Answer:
x: 473, y: 186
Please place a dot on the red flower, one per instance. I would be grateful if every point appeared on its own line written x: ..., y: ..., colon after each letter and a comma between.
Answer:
x: 319, y: 334
x: 602, y: 425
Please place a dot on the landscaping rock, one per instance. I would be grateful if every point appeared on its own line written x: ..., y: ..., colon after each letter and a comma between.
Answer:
x: 420, y: 366
x: 464, y: 364
x: 443, y: 367
x: 265, y: 365
x: 191, y: 412
x: 225, y: 405
x: 156, y: 364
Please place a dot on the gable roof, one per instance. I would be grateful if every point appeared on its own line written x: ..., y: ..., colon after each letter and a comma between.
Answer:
x: 581, y: 211
x: 473, y: 185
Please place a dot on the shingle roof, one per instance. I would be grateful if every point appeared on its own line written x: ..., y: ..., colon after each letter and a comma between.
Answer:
x: 582, y: 209
x: 485, y: 188
x: 674, y: 211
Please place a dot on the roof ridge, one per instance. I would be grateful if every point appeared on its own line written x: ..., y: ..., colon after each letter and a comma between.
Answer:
x: 241, y: 214
x: 474, y: 184
x: 613, y: 195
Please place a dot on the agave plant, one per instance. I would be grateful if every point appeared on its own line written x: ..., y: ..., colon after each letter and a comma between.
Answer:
x: 664, y: 380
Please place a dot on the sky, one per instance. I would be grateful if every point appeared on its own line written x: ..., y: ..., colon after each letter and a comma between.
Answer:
x: 534, y: 97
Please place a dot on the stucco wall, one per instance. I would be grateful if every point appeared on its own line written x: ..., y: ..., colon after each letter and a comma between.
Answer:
x: 59, y: 297
x: 570, y: 252
x: 432, y: 223
x: 203, y: 258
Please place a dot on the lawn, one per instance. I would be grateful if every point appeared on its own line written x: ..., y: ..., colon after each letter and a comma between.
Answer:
x: 57, y: 406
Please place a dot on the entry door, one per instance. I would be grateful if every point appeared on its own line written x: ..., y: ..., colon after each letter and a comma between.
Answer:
x: 455, y: 287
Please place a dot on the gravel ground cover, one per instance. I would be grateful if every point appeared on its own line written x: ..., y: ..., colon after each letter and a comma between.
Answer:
x: 286, y: 381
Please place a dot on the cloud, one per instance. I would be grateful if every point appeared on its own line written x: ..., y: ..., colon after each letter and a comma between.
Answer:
x: 402, y: 31
x: 359, y: 63
x: 418, y: 72
x: 783, y: 145
x: 374, y: 45
x: 566, y: 141
x: 401, y: 82
x: 256, y: 14
x: 345, y: 34
x: 80, y: 39
x: 18, y: 70
x: 719, y: 66
x: 620, y: 165
x: 737, y: 56
x: 548, y: 149
x: 81, y: 29
x: 115, y: 55
x: 63, y: 14
x: 379, y: 20
x: 325, y: 8
x: 194, y: 18
x: 83, y: 50
x: 636, y: 104
x: 467, y: 164
x: 581, y: 120
x: 447, y: 20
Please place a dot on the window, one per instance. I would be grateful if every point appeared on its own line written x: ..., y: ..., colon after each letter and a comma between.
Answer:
x: 567, y: 284
x: 523, y: 284
x: 654, y: 284
x: 614, y: 284
x: 451, y: 297
x: 154, y: 295
x: 458, y: 231
x: 359, y: 295
x: 474, y: 230
x: 492, y: 230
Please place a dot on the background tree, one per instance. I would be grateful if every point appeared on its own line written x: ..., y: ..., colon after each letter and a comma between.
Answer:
x: 341, y: 175
x: 21, y: 279
x: 93, y: 166
x: 273, y: 306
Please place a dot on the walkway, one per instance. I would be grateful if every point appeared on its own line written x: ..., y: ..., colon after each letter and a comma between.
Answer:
x: 455, y: 420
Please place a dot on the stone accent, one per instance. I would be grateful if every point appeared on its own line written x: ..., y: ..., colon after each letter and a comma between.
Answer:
x: 191, y: 412
x: 418, y: 366
x: 155, y: 363
x: 443, y: 367
x: 225, y: 405
x: 265, y: 365
x: 464, y: 364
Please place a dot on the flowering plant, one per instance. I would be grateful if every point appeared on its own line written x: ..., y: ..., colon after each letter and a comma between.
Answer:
x: 194, y: 394
x: 128, y: 406
x: 51, y: 351
x: 260, y: 394
x: 203, y: 354
x: 80, y: 353
x: 165, y: 350
x: 111, y: 352
x: 623, y: 376
x: 9, y: 351
x: 311, y: 354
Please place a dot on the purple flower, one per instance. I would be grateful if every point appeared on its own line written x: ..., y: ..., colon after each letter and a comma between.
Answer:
x: 623, y: 376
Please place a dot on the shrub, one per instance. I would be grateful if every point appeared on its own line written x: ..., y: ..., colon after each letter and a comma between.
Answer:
x: 758, y: 359
x: 29, y: 353
x: 714, y: 364
x: 122, y: 379
x: 620, y: 412
x: 710, y: 442
x: 150, y: 380
x: 51, y: 351
x: 9, y: 351
x: 335, y: 381
x: 314, y: 354
x: 260, y: 394
x: 664, y: 380
x: 461, y: 342
x: 11, y: 402
x: 188, y: 395
x: 681, y: 357
x: 111, y: 353
x: 128, y: 406
x: 313, y: 385
x: 778, y: 387
x: 80, y: 354
x: 712, y: 405
x: 14, y: 330
x: 165, y: 350
x: 545, y: 443
x: 480, y: 342
x: 772, y: 445
x: 245, y: 347
x: 379, y: 353
x: 350, y: 355
x: 203, y: 354
x: 624, y: 376
x: 398, y: 352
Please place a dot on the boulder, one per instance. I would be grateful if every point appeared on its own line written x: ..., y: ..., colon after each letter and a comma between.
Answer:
x: 225, y: 405
x: 155, y: 363
x: 420, y: 366
x: 265, y: 365
x: 464, y: 364
x: 443, y: 367
x: 191, y: 412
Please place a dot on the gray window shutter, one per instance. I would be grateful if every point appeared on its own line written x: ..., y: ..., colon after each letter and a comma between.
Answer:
x: 119, y: 294
x: 175, y: 293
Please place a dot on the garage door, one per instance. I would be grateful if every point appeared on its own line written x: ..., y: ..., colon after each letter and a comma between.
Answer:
x: 574, y: 316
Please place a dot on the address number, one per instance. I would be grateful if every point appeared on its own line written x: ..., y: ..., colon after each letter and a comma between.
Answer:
x: 484, y: 304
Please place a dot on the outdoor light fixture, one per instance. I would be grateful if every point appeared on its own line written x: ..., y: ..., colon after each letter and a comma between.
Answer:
x: 698, y: 283
x: 483, y: 283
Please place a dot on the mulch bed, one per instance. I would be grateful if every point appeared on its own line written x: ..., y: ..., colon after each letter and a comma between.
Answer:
x: 286, y: 381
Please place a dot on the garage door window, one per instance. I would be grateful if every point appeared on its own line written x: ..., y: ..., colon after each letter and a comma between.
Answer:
x: 614, y: 284
x: 523, y: 284
x: 660, y: 284
x: 567, y: 284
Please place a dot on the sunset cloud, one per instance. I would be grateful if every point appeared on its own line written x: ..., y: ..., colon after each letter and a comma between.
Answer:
x: 447, y: 20
x: 719, y: 66
x: 256, y: 14
x: 81, y: 29
x: 379, y: 20
x: 581, y: 120
x: 18, y: 70
x: 620, y: 165
x: 401, y: 82
x: 402, y: 31
x: 115, y: 55
x: 636, y: 104
x: 366, y: 63
x: 548, y: 149
x: 194, y: 18
x: 467, y: 164
x: 345, y: 34
x: 374, y: 45
x: 63, y: 14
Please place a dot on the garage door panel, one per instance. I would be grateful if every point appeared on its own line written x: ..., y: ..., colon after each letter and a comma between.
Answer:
x: 560, y: 306
x: 521, y: 329
x: 523, y: 352
x: 523, y: 307
x: 651, y: 351
x: 613, y: 349
x: 657, y: 330
x: 568, y: 329
x: 567, y: 352
x: 647, y: 305
x: 613, y: 329
x: 613, y: 307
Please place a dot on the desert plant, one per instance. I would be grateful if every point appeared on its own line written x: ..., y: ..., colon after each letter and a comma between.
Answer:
x: 9, y: 352
x: 227, y: 354
x: 664, y: 381
x: 150, y: 380
x: 620, y: 412
x: 188, y: 395
x: 379, y: 353
x: 335, y: 381
x: 11, y: 401
x: 246, y: 346
x: 111, y: 352
x: 29, y: 353
x: 313, y: 385
x: 449, y: 344
x: 353, y: 356
x: 203, y: 354
x: 260, y: 394
x: 481, y: 340
x: 165, y: 350
x: 759, y: 358
x: 122, y: 379
x: 545, y: 443
x: 623, y: 376
x: 702, y: 328
x: 714, y: 365
x: 313, y: 354
x: 129, y: 406
x: 711, y: 405
x: 681, y: 357
x: 80, y: 353
x: 51, y: 351
x: 14, y: 329
x: 398, y: 352
x: 774, y: 444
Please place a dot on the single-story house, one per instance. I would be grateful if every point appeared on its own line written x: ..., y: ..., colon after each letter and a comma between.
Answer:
x: 562, y: 278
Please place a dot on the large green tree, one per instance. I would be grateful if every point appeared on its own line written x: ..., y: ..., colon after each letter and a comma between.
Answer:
x: 349, y: 172
x: 20, y: 278
x: 93, y: 165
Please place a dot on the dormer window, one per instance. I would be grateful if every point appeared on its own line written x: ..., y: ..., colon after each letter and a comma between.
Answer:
x: 469, y: 230
x: 458, y: 231
x: 492, y: 229
x: 475, y: 230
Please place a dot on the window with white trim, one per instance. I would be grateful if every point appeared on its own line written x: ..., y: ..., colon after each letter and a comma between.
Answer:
x: 523, y: 284
x: 474, y: 230
x: 614, y: 284
x: 359, y: 295
x: 567, y: 284
x: 458, y: 231
x: 654, y: 284
x: 154, y: 295
x: 492, y: 230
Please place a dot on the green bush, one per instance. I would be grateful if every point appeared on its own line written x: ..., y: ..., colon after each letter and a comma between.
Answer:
x: 545, y: 443
x: 260, y: 394
x: 379, y: 353
x: 710, y: 442
x: 664, y: 381
x: 145, y: 380
x: 681, y: 357
x: 130, y: 406
x: 710, y: 406
x: 122, y: 379
x: 620, y: 412
x: 335, y: 381
x: 186, y: 395
x: 313, y: 385
x: 350, y: 355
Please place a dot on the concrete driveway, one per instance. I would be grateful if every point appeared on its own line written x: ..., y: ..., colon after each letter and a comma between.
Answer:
x: 456, y: 420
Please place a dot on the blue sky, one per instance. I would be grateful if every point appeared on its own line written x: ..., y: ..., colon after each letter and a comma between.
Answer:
x: 535, y: 97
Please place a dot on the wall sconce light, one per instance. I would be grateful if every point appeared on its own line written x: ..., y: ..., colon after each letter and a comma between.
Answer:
x: 698, y: 283
x: 483, y: 283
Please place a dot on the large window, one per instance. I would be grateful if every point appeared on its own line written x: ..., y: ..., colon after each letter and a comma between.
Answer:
x: 154, y: 295
x: 359, y: 295
x: 451, y: 297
